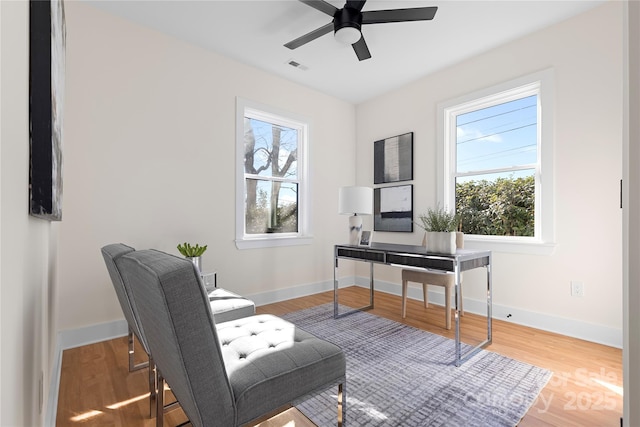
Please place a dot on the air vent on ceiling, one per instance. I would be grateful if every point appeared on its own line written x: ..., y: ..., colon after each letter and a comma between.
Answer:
x: 297, y: 65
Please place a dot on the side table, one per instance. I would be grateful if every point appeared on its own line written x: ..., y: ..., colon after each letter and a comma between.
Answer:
x: 210, y: 280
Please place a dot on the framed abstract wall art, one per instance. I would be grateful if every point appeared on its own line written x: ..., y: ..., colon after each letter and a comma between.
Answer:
x: 393, y: 159
x: 393, y: 208
x: 47, y: 40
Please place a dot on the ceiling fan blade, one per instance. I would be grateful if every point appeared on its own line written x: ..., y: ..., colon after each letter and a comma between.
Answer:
x: 293, y: 44
x: 355, y: 4
x: 361, y: 49
x: 321, y: 5
x: 399, y: 15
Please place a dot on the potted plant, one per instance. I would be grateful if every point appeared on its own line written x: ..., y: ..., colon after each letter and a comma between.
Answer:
x: 440, y: 230
x: 193, y: 253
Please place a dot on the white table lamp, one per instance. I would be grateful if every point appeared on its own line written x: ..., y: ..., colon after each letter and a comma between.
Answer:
x: 354, y: 201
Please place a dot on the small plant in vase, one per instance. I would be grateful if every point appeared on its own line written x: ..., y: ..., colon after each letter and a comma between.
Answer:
x: 193, y: 253
x: 440, y: 226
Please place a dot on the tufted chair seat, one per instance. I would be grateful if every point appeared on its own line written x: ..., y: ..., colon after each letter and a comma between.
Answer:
x: 264, y: 353
x: 225, y: 374
x: 226, y: 305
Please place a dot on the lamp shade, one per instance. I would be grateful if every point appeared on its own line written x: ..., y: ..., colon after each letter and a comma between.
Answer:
x: 355, y: 200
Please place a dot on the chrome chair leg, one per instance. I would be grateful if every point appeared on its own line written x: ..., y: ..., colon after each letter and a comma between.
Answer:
x: 159, y: 399
x: 342, y: 404
x: 153, y: 387
x: 132, y: 352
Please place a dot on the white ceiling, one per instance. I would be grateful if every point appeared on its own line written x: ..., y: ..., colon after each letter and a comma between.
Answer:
x: 253, y: 32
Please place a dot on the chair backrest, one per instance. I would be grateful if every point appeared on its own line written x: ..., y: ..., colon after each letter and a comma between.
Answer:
x: 111, y: 253
x: 174, y: 311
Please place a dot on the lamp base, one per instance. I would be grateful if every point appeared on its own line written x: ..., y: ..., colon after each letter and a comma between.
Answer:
x: 355, y: 229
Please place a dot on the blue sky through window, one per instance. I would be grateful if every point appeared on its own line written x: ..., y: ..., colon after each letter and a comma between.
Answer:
x: 263, y: 133
x: 498, y: 137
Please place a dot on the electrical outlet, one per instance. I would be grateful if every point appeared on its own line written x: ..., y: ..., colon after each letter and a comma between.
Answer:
x: 577, y: 289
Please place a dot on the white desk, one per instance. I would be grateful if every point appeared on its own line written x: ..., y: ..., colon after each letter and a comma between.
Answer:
x: 416, y: 257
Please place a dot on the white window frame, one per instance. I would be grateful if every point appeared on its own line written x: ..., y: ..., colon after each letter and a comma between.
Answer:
x: 542, y: 84
x: 268, y: 113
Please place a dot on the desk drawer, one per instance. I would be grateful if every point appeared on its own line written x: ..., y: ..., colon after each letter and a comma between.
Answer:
x: 442, y: 264
x: 365, y: 255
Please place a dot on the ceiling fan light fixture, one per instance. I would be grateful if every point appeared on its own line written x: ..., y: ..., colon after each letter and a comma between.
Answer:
x: 347, y: 22
x: 347, y: 35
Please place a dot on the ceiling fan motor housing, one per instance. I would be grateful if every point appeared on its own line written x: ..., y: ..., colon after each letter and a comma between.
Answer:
x: 347, y: 17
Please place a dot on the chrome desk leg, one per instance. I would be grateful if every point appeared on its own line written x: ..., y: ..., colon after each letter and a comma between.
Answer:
x: 489, y: 302
x: 337, y: 315
x: 458, y: 298
x: 370, y: 285
x: 335, y: 287
x: 479, y: 347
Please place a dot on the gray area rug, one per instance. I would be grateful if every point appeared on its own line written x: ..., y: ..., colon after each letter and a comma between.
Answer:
x: 398, y: 375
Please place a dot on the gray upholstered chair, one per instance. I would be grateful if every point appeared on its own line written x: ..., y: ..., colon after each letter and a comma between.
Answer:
x: 111, y: 253
x: 224, y: 304
x: 227, y: 374
x: 445, y: 280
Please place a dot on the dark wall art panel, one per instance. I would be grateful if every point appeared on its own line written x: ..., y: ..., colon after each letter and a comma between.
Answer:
x: 393, y: 208
x: 393, y: 159
x: 47, y: 34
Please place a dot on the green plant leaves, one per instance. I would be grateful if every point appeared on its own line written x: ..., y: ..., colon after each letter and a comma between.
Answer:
x: 191, y: 251
x: 439, y: 219
x: 504, y: 207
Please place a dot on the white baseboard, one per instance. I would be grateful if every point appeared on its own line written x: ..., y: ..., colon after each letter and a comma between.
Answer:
x: 104, y: 331
x: 54, y: 386
x: 278, y: 295
x: 71, y: 338
x: 573, y: 328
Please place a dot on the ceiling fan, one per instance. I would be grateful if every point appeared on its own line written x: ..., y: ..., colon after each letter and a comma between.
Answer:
x: 347, y: 22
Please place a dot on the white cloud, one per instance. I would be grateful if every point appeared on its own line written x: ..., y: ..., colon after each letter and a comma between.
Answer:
x: 475, y: 134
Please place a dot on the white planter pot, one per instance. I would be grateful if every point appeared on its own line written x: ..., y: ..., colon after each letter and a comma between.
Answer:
x: 441, y: 242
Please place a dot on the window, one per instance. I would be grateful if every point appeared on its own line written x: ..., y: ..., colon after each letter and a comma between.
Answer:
x: 497, y: 164
x: 271, y: 187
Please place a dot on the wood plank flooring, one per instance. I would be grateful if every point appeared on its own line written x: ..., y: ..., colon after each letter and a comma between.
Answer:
x: 96, y: 388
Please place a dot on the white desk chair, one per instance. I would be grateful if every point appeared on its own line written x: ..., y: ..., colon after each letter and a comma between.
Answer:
x: 445, y: 280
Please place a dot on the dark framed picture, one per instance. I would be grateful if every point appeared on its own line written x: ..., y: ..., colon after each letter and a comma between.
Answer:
x: 393, y: 208
x: 365, y: 239
x: 393, y: 159
x: 47, y: 40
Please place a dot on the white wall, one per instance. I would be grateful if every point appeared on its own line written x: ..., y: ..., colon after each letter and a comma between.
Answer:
x: 586, y: 55
x: 149, y: 161
x: 145, y: 111
x: 28, y: 244
x: 631, y: 230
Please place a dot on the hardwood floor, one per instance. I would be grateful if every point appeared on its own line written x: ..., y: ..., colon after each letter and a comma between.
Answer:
x: 96, y: 388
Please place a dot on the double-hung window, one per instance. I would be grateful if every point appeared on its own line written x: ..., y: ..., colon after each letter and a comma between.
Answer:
x: 497, y: 164
x: 271, y: 187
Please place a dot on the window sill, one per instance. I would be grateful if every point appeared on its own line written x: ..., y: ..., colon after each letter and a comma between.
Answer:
x: 515, y: 246
x: 273, y: 242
